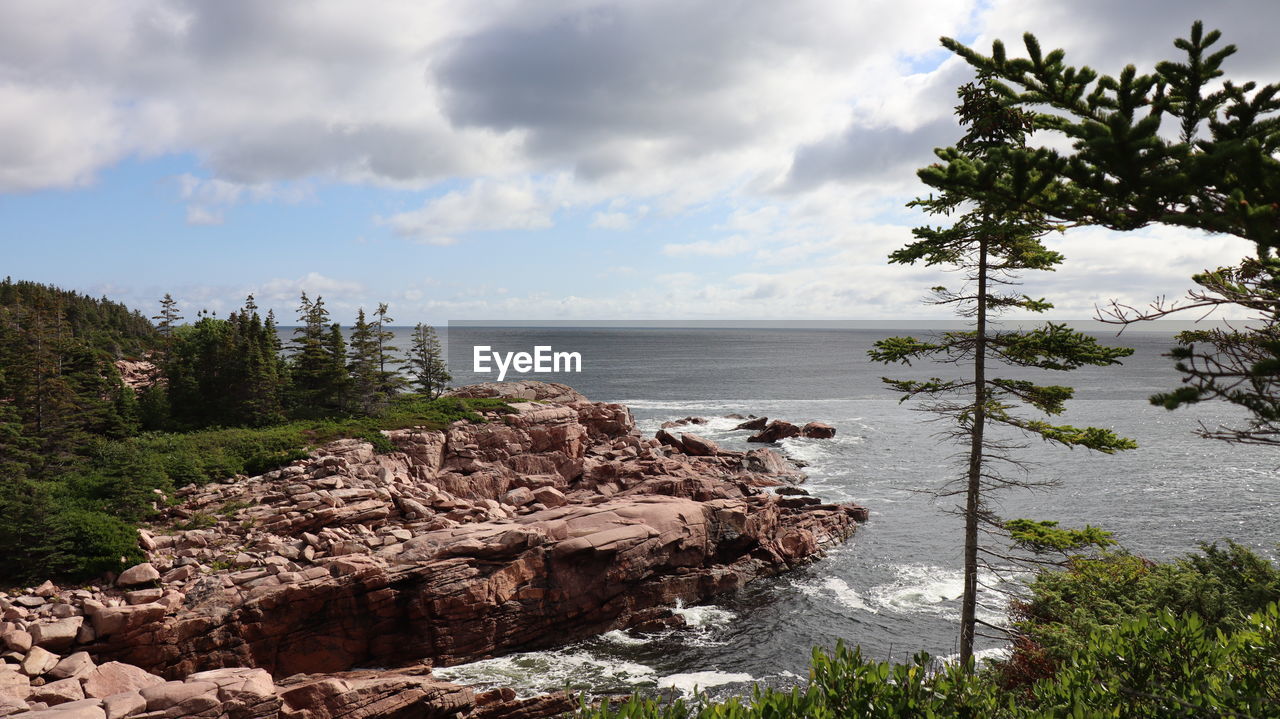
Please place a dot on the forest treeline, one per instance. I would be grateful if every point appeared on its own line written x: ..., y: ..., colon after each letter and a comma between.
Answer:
x: 85, y: 457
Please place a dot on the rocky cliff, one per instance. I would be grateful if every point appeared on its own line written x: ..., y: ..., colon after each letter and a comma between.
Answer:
x: 264, y: 596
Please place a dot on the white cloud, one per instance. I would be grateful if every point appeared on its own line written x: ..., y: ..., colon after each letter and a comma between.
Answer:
x: 208, y: 198
x: 484, y: 205
x: 613, y: 221
x: 727, y: 247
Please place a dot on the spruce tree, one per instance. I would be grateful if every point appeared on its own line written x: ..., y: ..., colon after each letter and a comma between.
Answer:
x: 336, y: 379
x: 314, y: 383
x: 427, y: 361
x: 389, y: 379
x: 168, y: 317
x: 990, y: 245
x: 363, y: 366
x: 1180, y: 145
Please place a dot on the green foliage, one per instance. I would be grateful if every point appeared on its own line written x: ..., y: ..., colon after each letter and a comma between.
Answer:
x: 1158, y: 666
x: 1045, y: 536
x: 1170, y: 665
x: 381, y: 444
x: 426, y: 361
x: 119, y: 480
x: 1177, y: 145
x: 106, y: 326
x: 199, y: 520
x: 1221, y: 586
x: 230, y: 508
x: 223, y: 372
x: 841, y: 684
x: 991, y: 242
x: 82, y: 542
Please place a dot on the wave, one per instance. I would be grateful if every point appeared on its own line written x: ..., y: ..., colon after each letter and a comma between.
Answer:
x: 915, y: 589
x: 691, y: 684
x: 534, y: 673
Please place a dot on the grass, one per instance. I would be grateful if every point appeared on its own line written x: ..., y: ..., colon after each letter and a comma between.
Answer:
x: 208, y: 455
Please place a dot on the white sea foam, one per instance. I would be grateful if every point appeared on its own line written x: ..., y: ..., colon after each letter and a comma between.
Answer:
x: 982, y: 655
x: 533, y: 673
x: 704, y: 615
x: 692, y: 683
x: 837, y: 589
x: 620, y: 637
x: 916, y: 589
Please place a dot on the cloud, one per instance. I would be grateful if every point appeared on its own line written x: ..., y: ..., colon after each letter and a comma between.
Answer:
x: 484, y: 205
x: 727, y: 247
x: 283, y: 289
x: 208, y: 198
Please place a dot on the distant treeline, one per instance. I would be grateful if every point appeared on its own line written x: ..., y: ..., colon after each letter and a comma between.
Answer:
x: 84, y: 457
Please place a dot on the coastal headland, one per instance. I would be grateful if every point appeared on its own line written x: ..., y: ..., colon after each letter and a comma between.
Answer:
x: 331, y: 586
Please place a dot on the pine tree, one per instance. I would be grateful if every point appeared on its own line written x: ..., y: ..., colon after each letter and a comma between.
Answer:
x: 318, y: 372
x: 168, y: 317
x: 991, y: 245
x: 429, y: 369
x: 389, y: 379
x: 363, y: 367
x: 336, y: 379
x: 1179, y: 146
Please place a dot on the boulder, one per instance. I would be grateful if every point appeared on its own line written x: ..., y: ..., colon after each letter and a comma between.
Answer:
x: 668, y: 439
x: 10, y: 705
x: 116, y: 678
x: 522, y: 389
x: 550, y: 497
x: 818, y: 430
x: 16, y: 640
x: 109, y: 620
x: 518, y: 497
x: 79, y: 711
x: 73, y: 666
x: 124, y: 704
x: 138, y: 575
x: 190, y: 697
x: 698, y: 446
x: 58, y: 635
x: 38, y: 661
x: 774, y: 431
x: 756, y: 423
x: 59, y: 692
x: 14, y: 684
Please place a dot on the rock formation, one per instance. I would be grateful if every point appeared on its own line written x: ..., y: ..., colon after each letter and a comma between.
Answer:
x: 262, y: 596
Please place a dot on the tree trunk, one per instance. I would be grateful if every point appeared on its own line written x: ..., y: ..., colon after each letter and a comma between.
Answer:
x: 969, y: 602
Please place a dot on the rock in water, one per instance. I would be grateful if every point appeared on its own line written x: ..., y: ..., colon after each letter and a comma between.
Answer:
x: 776, y: 430
x: 818, y: 430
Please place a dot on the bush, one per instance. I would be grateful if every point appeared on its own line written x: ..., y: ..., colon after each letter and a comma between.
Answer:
x: 1222, y: 586
x: 84, y: 543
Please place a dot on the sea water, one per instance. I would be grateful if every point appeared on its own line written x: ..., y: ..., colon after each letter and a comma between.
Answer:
x: 894, y: 587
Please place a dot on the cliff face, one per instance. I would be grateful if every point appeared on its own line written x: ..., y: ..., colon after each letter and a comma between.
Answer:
x: 533, y: 529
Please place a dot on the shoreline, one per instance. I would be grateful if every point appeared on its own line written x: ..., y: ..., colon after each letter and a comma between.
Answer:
x: 531, y: 530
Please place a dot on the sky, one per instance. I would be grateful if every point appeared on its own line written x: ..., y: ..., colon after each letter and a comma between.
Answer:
x: 535, y: 159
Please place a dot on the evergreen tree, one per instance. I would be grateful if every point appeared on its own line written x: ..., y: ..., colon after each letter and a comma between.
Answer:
x: 991, y: 245
x: 363, y: 367
x: 168, y: 317
x: 336, y: 378
x: 1178, y: 146
x: 223, y: 372
x: 318, y: 373
x: 427, y: 361
x: 389, y: 379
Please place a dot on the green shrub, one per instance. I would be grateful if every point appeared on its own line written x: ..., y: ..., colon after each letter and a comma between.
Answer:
x: 84, y: 543
x: 1222, y: 586
x: 264, y: 462
x: 381, y: 444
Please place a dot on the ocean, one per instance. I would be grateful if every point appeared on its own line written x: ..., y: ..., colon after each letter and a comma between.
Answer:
x: 894, y: 587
